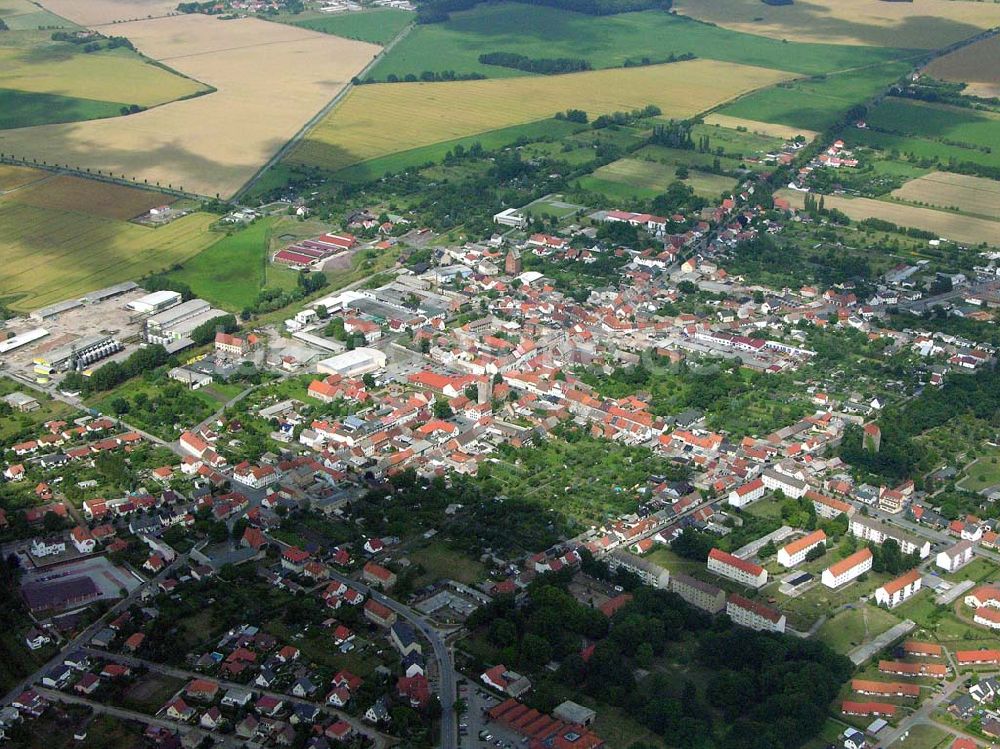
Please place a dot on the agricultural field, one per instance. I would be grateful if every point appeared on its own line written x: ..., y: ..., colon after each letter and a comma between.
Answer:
x: 378, y: 120
x: 977, y: 65
x: 921, y: 24
x: 97, y: 12
x: 768, y: 129
x: 31, y: 62
x: 604, y: 41
x: 24, y: 14
x: 953, y: 226
x: 73, y: 194
x: 646, y: 179
x: 305, y: 70
x: 975, y: 196
x: 25, y: 109
x: 12, y: 177
x: 43, y: 249
x: 376, y: 26
x: 924, y: 151
x: 973, y: 129
x: 815, y: 103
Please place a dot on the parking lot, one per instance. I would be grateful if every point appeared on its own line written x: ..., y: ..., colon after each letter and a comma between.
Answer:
x: 474, y: 722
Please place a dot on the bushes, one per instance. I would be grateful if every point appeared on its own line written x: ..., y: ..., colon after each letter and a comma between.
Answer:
x: 114, y: 373
x: 545, y: 66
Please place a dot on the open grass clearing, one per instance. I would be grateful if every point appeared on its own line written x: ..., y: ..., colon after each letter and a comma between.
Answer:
x: 210, y: 144
x: 377, y: 26
x: 920, y: 24
x: 857, y: 626
x: 604, y: 41
x: 984, y: 473
x: 442, y: 563
x: 646, y: 179
x: 151, y: 692
x: 232, y: 272
x: 379, y: 120
x: 47, y: 255
x: 976, y: 196
x: 923, y: 736
x: 953, y: 226
x: 977, y: 65
x: 814, y: 103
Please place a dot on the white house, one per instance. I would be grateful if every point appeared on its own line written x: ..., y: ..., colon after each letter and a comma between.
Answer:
x: 754, y: 615
x: 953, y: 559
x: 848, y: 569
x: 41, y: 547
x: 740, y: 570
x: 796, y: 552
x: 896, y: 591
x: 749, y: 492
x: 789, y: 485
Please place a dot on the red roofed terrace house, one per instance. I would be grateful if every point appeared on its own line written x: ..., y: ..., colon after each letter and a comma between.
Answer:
x: 744, y: 572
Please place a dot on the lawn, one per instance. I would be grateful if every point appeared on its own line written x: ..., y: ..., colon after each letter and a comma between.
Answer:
x: 232, y: 271
x: 442, y: 563
x: 923, y: 736
x: 855, y: 626
x: 815, y: 103
x: 820, y: 600
x: 378, y: 120
x: 47, y: 255
x: 375, y: 26
x: 985, y: 472
x: 604, y: 41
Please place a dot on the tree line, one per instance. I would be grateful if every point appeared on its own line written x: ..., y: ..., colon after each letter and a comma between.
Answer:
x: 542, y: 65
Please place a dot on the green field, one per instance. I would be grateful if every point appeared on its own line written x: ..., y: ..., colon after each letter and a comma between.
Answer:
x: 854, y: 627
x: 985, y: 472
x: 605, y: 41
x: 924, y: 737
x: 373, y: 169
x: 441, y: 563
x: 966, y: 126
x: 922, y: 148
x: 376, y: 26
x: 815, y: 103
x: 647, y: 179
x: 232, y: 271
x: 25, y: 108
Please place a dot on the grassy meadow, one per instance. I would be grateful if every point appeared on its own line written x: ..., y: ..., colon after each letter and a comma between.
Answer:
x: 815, y: 103
x: 605, y: 41
x: 375, y: 26
x: 636, y: 178
x: 378, y: 120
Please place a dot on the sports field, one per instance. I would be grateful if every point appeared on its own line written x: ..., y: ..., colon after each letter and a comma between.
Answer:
x: 378, y: 120
x: 951, y: 226
x: 376, y: 26
x: 772, y: 129
x: 978, y: 65
x: 47, y: 255
x: 817, y: 103
x: 973, y: 195
x: 96, y: 12
x: 920, y: 24
x: 213, y: 143
x: 604, y: 41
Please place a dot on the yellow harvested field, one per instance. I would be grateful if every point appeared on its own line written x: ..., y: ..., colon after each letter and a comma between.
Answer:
x: 64, y: 193
x: 271, y: 79
x: 16, y: 176
x: 771, y: 129
x: 381, y: 119
x: 97, y: 12
x: 977, y: 65
x: 921, y: 24
x: 48, y: 255
x: 951, y: 226
x: 121, y: 78
x: 975, y: 195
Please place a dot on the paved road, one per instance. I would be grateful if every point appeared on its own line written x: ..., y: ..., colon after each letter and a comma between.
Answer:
x: 84, y: 637
x: 445, y: 663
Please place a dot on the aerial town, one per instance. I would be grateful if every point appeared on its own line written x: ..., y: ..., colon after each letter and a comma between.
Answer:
x: 563, y: 394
